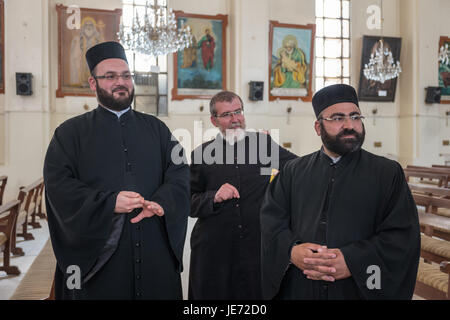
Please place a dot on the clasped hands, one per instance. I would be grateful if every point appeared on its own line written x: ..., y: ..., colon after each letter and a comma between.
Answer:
x: 319, y: 262
x: 127, y: 201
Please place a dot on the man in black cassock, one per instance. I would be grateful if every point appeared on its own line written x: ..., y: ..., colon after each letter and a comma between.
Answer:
x: 117, y: 202
x: 229, y: 176
x: 339, y: 223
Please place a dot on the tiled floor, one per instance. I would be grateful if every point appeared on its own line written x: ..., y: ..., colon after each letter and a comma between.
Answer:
x: 32, y: 248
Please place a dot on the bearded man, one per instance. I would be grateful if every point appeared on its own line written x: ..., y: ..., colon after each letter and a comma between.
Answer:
x: 117, y: 202
x: 339, y: 223
x: 229, y: 176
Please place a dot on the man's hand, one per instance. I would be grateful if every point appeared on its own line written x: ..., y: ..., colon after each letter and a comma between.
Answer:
x: 327, y: 269
x: 306, y: 252
x: 226, y: 192
x: 127, y: 201
x: 149, y: 209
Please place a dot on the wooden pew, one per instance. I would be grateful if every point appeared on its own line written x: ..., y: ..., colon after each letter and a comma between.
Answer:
x: 433, y: 277
x: 440, y: 166
x: 3, y: 180
x: 439, y: 171
x: 8, y: 215
x: 433, y: 225
x: 433, y: 281
x: 430, y: 190
x: 37, y: 203
x: 27, y: 206
x: 440, y: 179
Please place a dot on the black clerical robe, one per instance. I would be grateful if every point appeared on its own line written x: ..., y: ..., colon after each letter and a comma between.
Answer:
x: 225, y: 241
x: 90, y: 159
x: 361, y: 205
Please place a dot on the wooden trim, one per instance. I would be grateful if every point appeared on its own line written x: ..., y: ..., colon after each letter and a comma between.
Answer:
x: 224, y: 18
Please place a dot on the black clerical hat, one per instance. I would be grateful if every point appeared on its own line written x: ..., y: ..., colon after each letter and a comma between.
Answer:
x: 103, y: 51
x: 333, y: 94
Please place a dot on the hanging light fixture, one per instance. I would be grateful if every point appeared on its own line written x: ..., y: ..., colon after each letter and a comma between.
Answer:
x: 157, y: 33
x: 381, y: 66
x: 444, y: 55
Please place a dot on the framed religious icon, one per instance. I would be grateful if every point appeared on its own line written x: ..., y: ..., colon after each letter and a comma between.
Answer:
x: 78, y: 30
x: 2, y: 46
x: 444, y: 69
x: 200, y: 71
x: 372, y: 90
x: 291, y: 61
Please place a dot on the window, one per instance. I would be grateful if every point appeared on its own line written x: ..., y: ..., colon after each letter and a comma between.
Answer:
x: 332, y: 42
x: 151, y: 81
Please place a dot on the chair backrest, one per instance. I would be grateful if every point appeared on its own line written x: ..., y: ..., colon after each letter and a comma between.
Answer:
x: 3, y: 180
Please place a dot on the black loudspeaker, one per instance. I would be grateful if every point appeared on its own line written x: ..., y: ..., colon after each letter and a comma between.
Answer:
x: 23, y: 84
x: 256, y: 90
x: 433, y: 95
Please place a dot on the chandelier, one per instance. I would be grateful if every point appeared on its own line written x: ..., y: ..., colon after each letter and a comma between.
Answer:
x: 381, y: 66
x: 444, y: 55
x: 156, y: 34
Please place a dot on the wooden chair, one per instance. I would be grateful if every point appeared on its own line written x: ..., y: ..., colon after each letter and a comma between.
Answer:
x: 8, y: 215
x: 3, y: 180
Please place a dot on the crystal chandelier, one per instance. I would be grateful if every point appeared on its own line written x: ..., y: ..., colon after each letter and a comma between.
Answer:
x: 444, y: 55
x: 381, y: 66
x: 156, y: 34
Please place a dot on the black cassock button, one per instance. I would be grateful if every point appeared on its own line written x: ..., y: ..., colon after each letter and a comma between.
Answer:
x: 125, y: 150
x: 138, y: 260
x: 240, y: 226
x: 138, y: 244
x: 138, y: 277
x: 138, y: 228
x: 138, y: 294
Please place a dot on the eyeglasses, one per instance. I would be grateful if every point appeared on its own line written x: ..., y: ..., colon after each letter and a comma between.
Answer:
x: 341, y: 119
x: 115, y: 76
x: 228, y: 115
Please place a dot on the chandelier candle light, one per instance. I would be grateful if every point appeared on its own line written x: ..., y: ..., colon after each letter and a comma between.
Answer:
x: 381, y: 66
x: 156, y: 34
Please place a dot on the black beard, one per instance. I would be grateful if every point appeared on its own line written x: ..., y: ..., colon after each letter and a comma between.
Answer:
x: 341, y: 146
x: 107, y: 100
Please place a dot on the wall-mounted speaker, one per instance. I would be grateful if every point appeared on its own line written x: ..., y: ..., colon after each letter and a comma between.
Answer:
x: 23, y: 84
x: 256, y: 90
x: 433, y: 95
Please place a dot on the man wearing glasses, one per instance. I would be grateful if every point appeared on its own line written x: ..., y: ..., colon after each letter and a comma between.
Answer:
x: 339, y: 223
x: 229, y: 176
x: 117, y: 204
